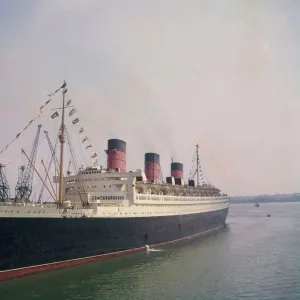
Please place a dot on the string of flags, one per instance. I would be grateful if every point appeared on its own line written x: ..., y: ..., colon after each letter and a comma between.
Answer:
x: 84, y: 138
x: 38, y: 116
x: 76, y: 122
x: 54, y: 115
x: 72, y: 112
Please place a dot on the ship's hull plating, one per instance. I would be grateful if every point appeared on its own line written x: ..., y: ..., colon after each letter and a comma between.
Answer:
x: 31, y: 245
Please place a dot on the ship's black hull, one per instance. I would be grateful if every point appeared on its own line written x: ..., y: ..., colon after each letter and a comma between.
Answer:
x: 28, y: 242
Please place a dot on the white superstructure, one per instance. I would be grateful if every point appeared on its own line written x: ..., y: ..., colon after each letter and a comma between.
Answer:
x: 115, y: 194
x: 129, y: 194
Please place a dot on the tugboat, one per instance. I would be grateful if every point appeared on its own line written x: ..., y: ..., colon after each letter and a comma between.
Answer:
x: 256, y: 204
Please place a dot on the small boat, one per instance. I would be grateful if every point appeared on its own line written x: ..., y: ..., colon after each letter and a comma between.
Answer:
x: 256, y: 204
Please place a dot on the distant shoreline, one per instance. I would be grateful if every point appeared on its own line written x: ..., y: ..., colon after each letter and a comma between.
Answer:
x: 266, y: 199
x: 261, y: 202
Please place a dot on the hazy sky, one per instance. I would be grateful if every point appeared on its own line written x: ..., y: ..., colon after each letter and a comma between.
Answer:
x: 162, y: 75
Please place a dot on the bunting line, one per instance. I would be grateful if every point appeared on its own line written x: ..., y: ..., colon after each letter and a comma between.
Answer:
x: 76, y: 122
x: 34, y: 119
x: 72, y: 114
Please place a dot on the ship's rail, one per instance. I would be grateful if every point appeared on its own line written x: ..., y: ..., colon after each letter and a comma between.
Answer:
x: 13, y: 204
x: 177, y: 200
x: 178, y: 190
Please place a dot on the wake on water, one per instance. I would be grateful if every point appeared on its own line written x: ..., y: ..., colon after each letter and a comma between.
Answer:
x: 148, y: 249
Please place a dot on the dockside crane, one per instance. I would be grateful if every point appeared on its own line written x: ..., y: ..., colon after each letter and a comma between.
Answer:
x: 4, y: 187
x: 23, y: 188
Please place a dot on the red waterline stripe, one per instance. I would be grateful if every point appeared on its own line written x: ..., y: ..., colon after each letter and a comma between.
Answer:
x: 10, y: 274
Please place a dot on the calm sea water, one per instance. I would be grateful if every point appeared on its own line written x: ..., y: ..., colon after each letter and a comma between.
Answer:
x: 255, y: 257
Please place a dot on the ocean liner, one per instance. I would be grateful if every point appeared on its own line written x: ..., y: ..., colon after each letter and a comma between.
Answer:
x: 100, y: 213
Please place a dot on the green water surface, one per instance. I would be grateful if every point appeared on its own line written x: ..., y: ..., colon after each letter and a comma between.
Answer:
x: 255, y: 257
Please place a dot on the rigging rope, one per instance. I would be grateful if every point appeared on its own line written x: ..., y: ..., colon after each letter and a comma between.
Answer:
x: 80, y: 132
x: 81, y: 187
x: 52, y: 157
x: 34, y: 119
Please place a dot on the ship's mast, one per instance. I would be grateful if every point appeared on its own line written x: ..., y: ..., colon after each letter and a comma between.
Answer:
x: 197, y: 168
x: 62, y: 140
